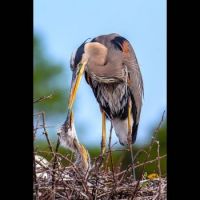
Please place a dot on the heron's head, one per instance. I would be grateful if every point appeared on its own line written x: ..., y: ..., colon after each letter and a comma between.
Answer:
x: 88, y: 54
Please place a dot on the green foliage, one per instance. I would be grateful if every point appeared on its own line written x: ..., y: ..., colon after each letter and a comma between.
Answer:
x: 150, y: 168
x: 46, y: 75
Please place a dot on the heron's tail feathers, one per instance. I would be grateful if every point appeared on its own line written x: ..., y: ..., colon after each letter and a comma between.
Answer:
x: 121, y: 130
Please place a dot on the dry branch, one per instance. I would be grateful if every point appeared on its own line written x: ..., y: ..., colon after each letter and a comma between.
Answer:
x: 42, y: 98
x: 57, y: 181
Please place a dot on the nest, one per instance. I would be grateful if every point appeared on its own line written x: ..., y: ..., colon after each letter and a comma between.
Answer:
x: 54, y: 180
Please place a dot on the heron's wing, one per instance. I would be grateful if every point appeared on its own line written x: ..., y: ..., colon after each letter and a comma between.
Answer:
x: 135, y: 82
x: 121, y: 53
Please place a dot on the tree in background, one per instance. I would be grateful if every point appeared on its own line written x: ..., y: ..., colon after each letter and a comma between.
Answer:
x: 46, y: 74
x: 50, y: 78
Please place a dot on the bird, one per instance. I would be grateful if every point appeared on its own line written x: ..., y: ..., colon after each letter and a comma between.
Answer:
x: 68, y: 139
x: 112, y: 71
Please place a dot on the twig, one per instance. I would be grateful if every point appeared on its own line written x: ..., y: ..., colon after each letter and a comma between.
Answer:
x: 138, y: 152
x: 132, y: 162
x: 158, y: 151
x: 110, y: 153
x: 139, y: 165
x: 114, y: 150
x: 42, y: 98
x: 37, y: 124
x: 35, y: 179
x: 149, y: 150
x: 54, y: 165
x: 109, y: 147
x: 150, y: 161
x: 46, y: 133
x: 61, y: 196
x: 159, y: 169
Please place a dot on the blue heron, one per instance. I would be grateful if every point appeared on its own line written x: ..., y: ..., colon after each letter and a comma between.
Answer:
x: 111, y: 69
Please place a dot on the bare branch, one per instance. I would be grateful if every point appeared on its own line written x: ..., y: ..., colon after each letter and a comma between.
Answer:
x: 58, y: 180
x: 42, y: 98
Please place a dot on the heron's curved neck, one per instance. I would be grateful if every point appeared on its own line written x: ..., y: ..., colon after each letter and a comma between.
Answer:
x: 105, y: 73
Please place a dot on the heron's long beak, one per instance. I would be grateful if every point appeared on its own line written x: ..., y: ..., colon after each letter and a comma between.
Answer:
x: 76, y: 79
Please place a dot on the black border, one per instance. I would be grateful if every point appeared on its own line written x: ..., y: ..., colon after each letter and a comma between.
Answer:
x: 17, y: 99
x: 181, y: 95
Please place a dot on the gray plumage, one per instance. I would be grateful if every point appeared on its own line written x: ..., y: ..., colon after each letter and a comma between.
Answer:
x: 114, y: 75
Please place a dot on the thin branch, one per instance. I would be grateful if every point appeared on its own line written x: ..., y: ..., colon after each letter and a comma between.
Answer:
x: 42, y: 98
x: 159, y: 169
x: 109, y: 147
x: 150, y: 161
x: 110, y: 153
x: 35, y: 179
x: 149, y: 150
x: 55, y: 163
x: 46, y: 133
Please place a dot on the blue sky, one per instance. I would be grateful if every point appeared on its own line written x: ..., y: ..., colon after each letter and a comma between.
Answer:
x: 64, y: 25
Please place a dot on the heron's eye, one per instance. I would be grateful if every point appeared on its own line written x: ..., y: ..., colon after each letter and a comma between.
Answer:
x: 72, y: 67
x: 72, y: 60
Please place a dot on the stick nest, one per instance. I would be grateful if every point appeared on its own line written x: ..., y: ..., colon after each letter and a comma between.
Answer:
x: 54, y: 180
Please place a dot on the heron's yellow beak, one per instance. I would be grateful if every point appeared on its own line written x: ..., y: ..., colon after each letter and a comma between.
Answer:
x: 76, y: 79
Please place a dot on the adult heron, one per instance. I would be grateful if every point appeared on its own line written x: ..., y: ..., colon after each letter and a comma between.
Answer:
x: 112, y: 71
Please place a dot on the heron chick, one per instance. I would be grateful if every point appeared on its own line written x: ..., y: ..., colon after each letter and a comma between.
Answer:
x: 68, y: 139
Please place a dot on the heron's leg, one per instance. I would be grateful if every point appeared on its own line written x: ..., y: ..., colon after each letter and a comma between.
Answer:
x: 130, y: 135
x: 103, y: 140
x: 129, y: 123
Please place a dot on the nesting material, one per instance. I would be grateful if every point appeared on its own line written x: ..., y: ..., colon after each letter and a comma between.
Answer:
x: 100, y: 184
